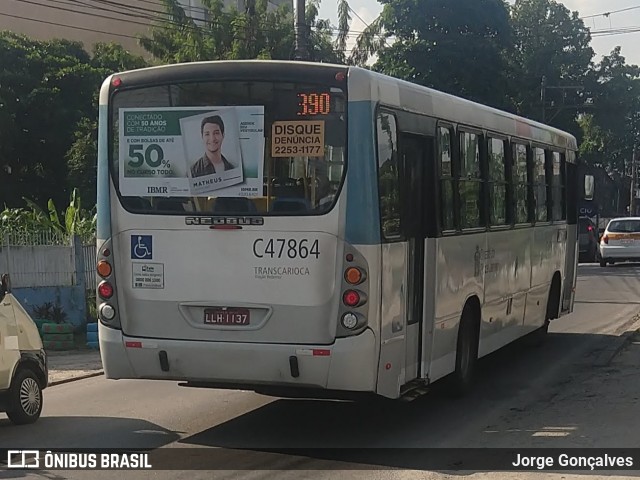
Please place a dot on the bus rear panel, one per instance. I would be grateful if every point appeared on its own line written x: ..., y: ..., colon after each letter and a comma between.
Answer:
x: 234, y: 275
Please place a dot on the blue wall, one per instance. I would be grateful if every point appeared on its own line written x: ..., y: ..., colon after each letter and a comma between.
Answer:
x: 71, y: 299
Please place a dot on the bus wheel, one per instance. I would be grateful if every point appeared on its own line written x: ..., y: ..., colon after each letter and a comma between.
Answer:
x: 461, y: 380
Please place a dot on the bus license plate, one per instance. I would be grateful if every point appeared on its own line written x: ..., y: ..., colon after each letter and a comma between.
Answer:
x: 227, y: 316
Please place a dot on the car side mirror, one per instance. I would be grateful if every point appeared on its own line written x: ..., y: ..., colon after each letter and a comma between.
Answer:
x: 5, y: 284
x: 589, y: 187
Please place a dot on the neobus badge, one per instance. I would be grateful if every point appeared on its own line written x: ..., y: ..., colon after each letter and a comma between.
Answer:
x: 224, y: 220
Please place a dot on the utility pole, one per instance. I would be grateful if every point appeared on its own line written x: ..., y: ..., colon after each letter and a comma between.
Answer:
x: 543, y: 97
x: 301, y: 32
x: 634, y: 183
x: 543, y: 88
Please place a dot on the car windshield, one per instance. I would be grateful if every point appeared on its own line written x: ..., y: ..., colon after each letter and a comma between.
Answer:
x: 624, y: 226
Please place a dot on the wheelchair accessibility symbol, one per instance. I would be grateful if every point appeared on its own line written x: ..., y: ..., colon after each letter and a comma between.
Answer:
x: 141, y: 247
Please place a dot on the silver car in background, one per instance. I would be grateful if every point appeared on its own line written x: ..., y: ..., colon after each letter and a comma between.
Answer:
x: 620, y: 241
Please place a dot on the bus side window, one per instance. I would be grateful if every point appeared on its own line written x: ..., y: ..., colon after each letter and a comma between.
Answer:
x: 470, y: 181
x: 558, y: 207
x: 520, y: 178
x: 388, y: 176
x: 497, y: 182
x: 541, y: 184
x: 445, y: 159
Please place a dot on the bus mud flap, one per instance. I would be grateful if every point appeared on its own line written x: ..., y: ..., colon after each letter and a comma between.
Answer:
x: 164, y: 361
x: 293, y: 365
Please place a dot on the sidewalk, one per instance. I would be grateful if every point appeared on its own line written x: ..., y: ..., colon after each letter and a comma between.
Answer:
x: 73, y: 365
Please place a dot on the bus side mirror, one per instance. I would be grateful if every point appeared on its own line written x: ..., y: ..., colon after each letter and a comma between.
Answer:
x: 589, y: 187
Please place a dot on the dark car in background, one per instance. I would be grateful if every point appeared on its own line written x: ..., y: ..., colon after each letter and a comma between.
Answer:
x: 587, y: 240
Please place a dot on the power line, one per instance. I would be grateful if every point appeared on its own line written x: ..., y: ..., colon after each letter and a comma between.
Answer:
x: 95, y: 15
x: 75, y: 27
x: 615, y: 31
x: 67, y: 26
x: 606, y: 14
x: 162, y: 21
x: 167, y: 21
x: 368, y: 26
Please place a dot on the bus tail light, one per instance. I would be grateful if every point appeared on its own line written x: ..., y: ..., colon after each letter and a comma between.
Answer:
x: 104, y: 268
x: 105, y: 290
x: 353, y: 298
x: 352, y: 318
x: 605, y: 240
x: 354, y: 275
x: 107, y: 311
x: 349, y: 320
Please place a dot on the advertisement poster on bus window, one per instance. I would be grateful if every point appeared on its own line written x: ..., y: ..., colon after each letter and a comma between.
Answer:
x: 192, y: 151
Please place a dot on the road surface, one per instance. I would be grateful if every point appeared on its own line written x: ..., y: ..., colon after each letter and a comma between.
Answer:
x: 526, y: 397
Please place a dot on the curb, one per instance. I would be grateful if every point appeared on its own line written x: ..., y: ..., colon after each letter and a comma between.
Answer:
x: 610, y: 354
x: 79, y: 377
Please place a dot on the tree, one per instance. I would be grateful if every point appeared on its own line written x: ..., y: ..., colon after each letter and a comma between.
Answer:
x: 456, y: 46
x: 552, y: 42
x: 50, y: 89
x: 43, y: 97
x: 612, y: 126
x: 81, y: 157
x: 257, y: 32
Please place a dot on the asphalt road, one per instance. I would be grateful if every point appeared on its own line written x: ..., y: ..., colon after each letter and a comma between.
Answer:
x: 515, y: 387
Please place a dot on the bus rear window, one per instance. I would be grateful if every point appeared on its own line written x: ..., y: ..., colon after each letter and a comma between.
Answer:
x: 624, y: 226
x: 261, y: 148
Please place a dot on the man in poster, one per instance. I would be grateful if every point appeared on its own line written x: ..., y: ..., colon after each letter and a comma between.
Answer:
x: 212, y: 131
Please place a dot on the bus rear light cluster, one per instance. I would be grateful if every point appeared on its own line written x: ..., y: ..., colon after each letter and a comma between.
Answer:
x: 105, y: 290
x: 108, y: 311
x: 352, y: 319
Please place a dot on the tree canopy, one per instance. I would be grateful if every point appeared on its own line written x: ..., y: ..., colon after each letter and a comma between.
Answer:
x: 483, y: 50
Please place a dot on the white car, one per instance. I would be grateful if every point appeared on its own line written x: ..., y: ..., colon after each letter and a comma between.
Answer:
x: 620, y: 241
x: 23, y: 361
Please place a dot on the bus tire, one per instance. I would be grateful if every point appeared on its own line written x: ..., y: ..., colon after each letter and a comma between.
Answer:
x: 25, y: 398
x: 461, y: 380
x: 603, y: 262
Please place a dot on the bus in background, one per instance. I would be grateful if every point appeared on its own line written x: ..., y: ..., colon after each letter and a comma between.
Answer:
x: 323, y: 231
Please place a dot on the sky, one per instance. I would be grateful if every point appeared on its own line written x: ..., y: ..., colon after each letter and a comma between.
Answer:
x: 594, y: 10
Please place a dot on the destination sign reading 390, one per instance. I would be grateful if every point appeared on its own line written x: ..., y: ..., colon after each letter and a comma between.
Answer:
x: 314, y: 104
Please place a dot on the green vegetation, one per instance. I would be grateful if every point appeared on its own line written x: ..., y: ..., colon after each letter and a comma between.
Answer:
x: 483, y: 50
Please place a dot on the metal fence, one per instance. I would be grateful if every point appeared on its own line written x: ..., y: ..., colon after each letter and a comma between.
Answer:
x: 28, y: 239
x: 89, y: 254
x: 46, y: 259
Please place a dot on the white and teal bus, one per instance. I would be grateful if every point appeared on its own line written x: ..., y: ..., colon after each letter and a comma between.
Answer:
x: 313, y: 230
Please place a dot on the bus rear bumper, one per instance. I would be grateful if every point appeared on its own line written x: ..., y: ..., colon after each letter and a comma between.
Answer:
x: 348, y: 364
